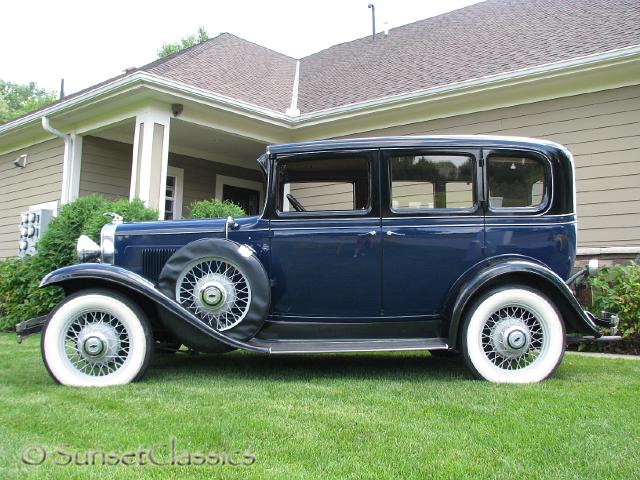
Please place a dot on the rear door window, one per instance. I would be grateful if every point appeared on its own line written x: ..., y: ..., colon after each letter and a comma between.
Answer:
x: 428, y: 182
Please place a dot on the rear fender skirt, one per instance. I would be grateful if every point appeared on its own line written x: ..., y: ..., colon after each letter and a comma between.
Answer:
x: 536, y: 274
x: 88, y: 275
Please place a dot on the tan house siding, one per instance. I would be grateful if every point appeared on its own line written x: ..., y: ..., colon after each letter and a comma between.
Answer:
x: 323, y: 196
x: 105, y: 168
x: 200, y: 177
x: 601, y: 129
x: 20, y: 188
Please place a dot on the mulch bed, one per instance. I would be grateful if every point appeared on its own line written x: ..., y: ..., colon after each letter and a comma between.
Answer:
x: 629, y: 345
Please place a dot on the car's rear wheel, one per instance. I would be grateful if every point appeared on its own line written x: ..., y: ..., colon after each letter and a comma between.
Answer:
x: 96, y: 338
x: 513, y: 335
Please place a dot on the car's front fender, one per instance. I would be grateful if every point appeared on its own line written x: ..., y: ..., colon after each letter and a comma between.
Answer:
x: 513, y: 269
x: 90, y: 275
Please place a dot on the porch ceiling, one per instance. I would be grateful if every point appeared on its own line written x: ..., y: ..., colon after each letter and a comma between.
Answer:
x: 194, y: 140
x: 188, y: 137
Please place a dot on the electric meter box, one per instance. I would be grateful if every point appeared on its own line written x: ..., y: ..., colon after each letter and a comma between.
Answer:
x: 33, y: 224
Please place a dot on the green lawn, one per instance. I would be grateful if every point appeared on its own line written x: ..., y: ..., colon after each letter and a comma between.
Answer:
x: 327, y: 416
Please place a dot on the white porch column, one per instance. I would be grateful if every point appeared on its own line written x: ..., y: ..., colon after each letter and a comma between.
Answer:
x: 150, y: 157
x: 73, y: 182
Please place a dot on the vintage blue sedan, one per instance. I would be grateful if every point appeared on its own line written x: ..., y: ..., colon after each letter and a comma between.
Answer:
x: 452, y: 245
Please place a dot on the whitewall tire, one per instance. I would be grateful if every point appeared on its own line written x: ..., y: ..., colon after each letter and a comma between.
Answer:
x: 96, y: 338
x: 513, y: 335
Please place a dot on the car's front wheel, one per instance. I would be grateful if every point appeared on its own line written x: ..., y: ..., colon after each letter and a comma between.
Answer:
x: 96, y: 338
x: 513, y: 335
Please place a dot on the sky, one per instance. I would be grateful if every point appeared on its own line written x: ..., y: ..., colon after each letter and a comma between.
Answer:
x: 86, y: 42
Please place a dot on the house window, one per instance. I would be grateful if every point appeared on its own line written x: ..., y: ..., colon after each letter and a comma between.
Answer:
x: 173, y: 194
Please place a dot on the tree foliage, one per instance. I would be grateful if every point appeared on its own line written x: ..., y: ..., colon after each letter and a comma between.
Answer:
x: 185, y: 42
x: 17, y: 99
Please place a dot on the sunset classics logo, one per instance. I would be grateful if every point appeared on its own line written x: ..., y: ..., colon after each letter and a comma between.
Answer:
x: 166, y: 454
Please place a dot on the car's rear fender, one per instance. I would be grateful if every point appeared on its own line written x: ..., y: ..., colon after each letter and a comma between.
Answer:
x: 514, y: 270
x: 92, y: 275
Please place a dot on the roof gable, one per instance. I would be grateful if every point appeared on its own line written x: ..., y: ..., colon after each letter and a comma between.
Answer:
x: 234, y: 67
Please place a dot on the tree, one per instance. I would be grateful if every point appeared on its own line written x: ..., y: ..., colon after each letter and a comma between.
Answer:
x: 185, y: 42
x: 17, y: 99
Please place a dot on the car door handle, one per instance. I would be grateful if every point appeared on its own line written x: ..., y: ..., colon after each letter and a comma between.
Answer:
x: 390, y: 233
x: 372, y: 233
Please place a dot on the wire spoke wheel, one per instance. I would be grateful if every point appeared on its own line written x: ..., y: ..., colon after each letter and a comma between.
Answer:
x: 96, y: 338
x: 513, y: 337
x: 214, y: 290
x: 96, y: 343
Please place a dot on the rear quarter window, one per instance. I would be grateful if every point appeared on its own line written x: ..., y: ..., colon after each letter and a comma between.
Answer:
x: 517, y: 182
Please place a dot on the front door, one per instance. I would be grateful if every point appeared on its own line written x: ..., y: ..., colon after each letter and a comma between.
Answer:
x: 326, y: 247
x: 247, y: 198
x: 432, y: 226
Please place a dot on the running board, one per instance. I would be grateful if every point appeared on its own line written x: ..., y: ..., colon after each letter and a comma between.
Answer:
x: 368, y: 345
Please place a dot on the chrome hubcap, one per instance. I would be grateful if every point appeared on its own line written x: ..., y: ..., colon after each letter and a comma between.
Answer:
x: 513, y: 337
x: 94, y: 346
x: 211, y: 296
x: 96, y: 343
x: 516, y: 339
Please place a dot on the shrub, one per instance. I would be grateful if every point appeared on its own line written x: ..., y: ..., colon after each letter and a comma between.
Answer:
x: 616, y: 289
x: 214, y: 208
x: 130, y: 211
x: 20, y: 297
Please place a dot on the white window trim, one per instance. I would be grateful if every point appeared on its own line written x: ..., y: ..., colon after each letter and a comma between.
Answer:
x: 179, y: 188
x: 222, y: 180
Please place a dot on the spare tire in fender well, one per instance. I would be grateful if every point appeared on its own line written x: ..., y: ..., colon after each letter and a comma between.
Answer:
x: 236, y: 254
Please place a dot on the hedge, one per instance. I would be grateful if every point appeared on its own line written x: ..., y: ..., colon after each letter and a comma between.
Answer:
x: 20, y: 297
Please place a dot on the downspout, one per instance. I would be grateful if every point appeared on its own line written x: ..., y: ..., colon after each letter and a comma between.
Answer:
x: 68, y: 152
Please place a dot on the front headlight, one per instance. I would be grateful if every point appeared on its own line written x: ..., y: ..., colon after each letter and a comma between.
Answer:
x: 88, y: 250
x: 107, y: 243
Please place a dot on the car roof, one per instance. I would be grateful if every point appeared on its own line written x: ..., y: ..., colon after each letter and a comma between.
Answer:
x: 468, y: 141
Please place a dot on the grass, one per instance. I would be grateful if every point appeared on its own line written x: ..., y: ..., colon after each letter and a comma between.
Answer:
x: 327, y: 416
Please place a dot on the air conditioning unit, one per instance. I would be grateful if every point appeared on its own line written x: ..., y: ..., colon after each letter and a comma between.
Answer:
x: 33, y: 224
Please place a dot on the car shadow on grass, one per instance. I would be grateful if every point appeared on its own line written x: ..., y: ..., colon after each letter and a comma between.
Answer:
x: 236, y: 365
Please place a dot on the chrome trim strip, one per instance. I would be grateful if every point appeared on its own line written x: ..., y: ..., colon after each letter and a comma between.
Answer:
x: 407, y: 349
x: 444, y: 225
x: 179, y: 232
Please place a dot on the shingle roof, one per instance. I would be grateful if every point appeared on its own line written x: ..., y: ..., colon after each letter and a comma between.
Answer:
x: 233, y: 67
x: 487, y: 38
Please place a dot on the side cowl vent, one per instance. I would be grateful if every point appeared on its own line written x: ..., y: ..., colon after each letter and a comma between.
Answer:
x: 153, y: 259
